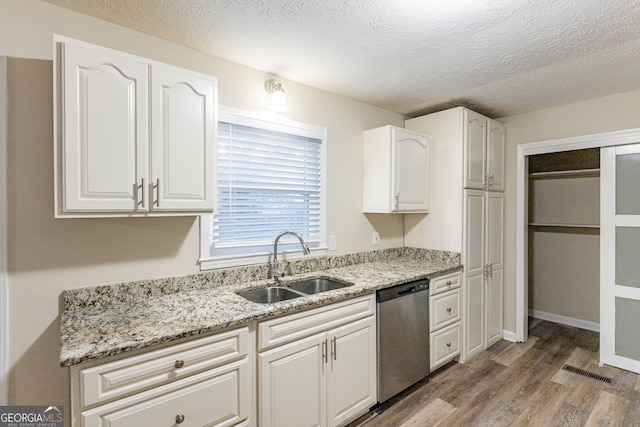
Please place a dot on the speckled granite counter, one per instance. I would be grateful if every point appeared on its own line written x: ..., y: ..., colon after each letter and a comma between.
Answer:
x: 107, y: 320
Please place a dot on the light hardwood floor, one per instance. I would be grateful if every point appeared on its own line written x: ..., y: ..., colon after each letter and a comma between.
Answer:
x: 514, y: 384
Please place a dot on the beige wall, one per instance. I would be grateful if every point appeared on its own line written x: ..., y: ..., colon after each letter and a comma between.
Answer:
x: 47, y: 255
x: 611, y: 113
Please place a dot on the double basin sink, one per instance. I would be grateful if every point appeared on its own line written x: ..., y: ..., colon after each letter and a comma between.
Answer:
x: 301, y: 288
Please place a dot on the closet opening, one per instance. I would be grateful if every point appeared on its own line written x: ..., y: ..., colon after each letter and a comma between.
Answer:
x: 613, y: 322
x: 563, y: 230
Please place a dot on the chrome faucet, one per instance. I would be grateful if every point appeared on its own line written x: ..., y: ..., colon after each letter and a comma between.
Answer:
x: 277, y: 274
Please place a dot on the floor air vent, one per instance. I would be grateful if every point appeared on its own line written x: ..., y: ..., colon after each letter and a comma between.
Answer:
x: 586, y: 373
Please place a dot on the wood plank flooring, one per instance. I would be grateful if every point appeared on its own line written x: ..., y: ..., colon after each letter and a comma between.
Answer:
x: 513, y: 384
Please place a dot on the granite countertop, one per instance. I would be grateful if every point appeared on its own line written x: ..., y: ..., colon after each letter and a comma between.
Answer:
x: 112, y: 323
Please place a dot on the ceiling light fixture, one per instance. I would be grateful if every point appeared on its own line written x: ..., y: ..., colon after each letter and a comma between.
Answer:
x: 278, y: 100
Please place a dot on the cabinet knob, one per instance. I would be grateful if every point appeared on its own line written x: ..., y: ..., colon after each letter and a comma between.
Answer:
x: 179, y: 364
x: 448, y: 282
x: 179, y: 419
x: 448, y: 344
x: 449, y: 309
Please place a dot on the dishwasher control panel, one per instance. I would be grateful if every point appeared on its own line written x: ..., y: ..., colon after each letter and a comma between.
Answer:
x: 403, y: 289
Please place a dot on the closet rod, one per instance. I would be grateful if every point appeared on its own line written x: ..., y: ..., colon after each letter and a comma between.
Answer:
x: 578, y: 173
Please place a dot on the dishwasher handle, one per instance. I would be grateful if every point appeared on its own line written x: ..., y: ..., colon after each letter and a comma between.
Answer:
x: 402, y: 290
x: 410, y: 290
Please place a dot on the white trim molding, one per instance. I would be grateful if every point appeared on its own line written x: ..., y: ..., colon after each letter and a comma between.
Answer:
x: 509, y: 336
x: 4, y: 283
x: 608, y: 139
x: 564, y: 320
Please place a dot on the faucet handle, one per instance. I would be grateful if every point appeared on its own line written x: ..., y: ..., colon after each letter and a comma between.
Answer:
x: 277, y: 273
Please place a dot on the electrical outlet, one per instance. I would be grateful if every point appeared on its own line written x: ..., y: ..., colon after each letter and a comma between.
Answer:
x: 332, y: 243
x: 376, y: 238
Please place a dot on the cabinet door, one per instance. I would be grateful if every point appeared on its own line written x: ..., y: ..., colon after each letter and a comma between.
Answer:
x: 493, y: 306
x: 292, y: 389
x: 474, y: 271
x: 475, y: 145
x: 495, y: 230
x: 352, y: 374
x: 495, y: 261
x: 410, y: 175
x: 495, y: 156
x: 103, y: 146
x: 183, y: 140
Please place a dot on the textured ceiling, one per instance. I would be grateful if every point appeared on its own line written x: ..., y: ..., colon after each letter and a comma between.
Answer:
x: 500, y: 57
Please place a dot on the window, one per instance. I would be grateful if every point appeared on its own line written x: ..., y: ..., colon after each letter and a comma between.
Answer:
x: 270, y: 178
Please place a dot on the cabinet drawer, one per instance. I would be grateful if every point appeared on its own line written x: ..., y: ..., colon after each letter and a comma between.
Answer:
x: 445, y: 345
x: 295, y: 326
x: 216, y: 398
x: 444, y: 283
x: 444, y: 309
x: 112, y: 380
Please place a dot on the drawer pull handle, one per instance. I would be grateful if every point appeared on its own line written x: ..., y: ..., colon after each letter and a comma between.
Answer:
x: 449, y: 309
x: 448, y: 344
x: 179, y: 419
x: 179, y: 364
x: 448, y: 282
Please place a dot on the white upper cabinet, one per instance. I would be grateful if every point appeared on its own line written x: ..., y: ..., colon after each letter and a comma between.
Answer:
x: 182, y: 140
x: 396, y: 171
x: 133, y: 137
x: 475, y: 150
x: 496, y: 142
x: 104, y: 161
x: 484, y: 141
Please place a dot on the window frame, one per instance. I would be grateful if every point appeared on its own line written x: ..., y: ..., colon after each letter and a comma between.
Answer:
x: 288, y: 247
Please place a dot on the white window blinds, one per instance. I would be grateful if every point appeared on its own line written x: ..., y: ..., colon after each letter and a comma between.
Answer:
x: 268, y: 181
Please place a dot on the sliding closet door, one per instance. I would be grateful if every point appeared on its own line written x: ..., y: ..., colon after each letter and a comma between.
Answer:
x: 620, y: 257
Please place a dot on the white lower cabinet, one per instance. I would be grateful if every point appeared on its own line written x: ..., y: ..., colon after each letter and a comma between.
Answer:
x: 493, y: 304
x: 325, y: 374
x: 203, y: 382
x: 474, y: 315
x: 213, y: 398
x: 293, y: 384
x: 445, y: 345
x: 445, y: 308
x: 352, y: 359
x: 315, y: 368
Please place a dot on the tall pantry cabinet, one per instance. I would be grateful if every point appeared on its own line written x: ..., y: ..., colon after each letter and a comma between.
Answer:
x: 467, y: 214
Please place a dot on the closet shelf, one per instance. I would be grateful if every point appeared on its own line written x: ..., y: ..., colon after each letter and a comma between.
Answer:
x: 548, y: 224
x: 578, y: 173
x: 565, y: 228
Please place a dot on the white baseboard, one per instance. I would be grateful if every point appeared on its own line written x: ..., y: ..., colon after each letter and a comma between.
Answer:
x: 509, y: 336
x: 563, y: 320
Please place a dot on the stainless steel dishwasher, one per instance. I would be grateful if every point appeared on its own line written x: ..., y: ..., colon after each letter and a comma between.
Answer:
x: 403, y: 337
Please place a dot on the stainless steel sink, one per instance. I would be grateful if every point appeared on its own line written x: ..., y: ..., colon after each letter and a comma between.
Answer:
x: 270, y: 295
x: 301, y: 288
x: 317, y: 285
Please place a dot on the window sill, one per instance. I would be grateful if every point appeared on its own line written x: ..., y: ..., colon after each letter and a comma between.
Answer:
x: 258, y: 258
